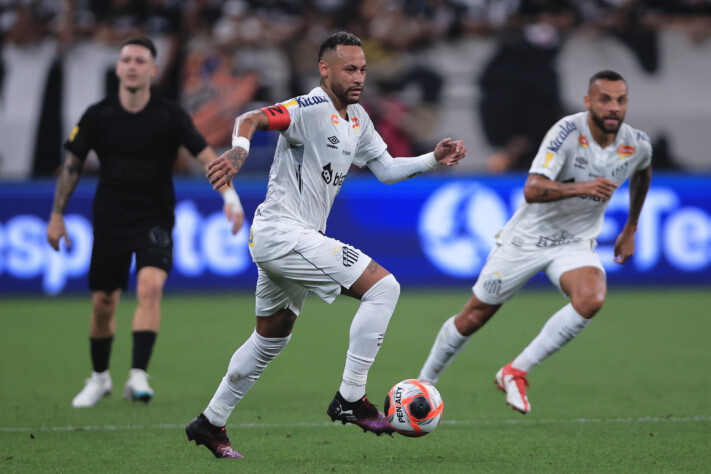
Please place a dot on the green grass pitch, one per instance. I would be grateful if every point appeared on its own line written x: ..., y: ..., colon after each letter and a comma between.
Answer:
x: 629, y: 395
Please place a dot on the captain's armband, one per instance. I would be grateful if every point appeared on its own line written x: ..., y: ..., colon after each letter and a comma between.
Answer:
x: 278, y: 117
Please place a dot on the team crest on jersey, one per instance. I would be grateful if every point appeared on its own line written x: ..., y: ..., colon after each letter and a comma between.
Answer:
x: 625, y: 151
x: 356, y: 124
x: 349, y: 255
x: 334, y: 119
x: 583, y: 140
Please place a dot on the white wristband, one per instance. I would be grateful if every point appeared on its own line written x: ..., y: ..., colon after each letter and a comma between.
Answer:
x: 241, y: 142
x: 230, y: 197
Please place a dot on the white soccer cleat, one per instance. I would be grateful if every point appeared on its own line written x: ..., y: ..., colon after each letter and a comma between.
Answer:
x: 514, y: 383
x: 97, y: 386
x: 137, y: 387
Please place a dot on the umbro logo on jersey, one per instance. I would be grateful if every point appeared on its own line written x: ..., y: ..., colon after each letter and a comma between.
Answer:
x: 332, y: 142
x: 580, y: 162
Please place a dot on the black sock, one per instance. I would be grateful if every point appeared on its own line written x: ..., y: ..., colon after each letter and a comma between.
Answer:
x: 100, y: 352
x: 143, y: 342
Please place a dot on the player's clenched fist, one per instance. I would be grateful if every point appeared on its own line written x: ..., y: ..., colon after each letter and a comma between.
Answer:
x: 600, y: 188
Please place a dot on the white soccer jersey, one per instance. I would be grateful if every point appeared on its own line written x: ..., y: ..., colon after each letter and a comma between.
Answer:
x: 570, y: 154
x: 311, y: 161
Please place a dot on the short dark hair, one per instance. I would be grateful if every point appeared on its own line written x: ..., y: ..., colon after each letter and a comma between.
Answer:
x: 607, y: 75
x: 333, y: 40
x: 144, y: 41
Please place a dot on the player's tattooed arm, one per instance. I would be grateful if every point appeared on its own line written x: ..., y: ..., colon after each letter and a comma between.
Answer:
x: 538, y: 188
x: 67, y: 182
x: 639, y: 185
x: 236, y: 156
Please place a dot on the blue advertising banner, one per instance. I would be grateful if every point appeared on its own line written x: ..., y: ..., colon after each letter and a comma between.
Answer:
x: 429, y: 231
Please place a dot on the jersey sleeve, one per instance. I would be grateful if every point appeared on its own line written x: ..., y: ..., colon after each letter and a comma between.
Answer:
x: 645, y: 147
x: 557, y: 147
x: 370, y: 144
x: 296, y: 131
x: 80, y: 141
x: 190, y: 138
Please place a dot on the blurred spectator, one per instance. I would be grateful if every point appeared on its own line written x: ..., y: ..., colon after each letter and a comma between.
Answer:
x: 520, y: 92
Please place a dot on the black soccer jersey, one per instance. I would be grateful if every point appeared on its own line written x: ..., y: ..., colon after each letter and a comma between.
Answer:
x: 137, y: 152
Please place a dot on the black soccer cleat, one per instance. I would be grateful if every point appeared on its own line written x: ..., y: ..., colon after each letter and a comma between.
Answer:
x: 361, y: 413
x: 212, y: 437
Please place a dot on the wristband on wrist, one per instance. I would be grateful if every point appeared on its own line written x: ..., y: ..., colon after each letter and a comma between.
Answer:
x: 241, y: 142
x: 230, y: 197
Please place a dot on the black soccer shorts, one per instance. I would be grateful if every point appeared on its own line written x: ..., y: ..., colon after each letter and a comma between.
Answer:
x: 112, y: 252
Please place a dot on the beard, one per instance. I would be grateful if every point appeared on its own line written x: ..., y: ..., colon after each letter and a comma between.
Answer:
x: 600, y: 122
x: 342, y: 94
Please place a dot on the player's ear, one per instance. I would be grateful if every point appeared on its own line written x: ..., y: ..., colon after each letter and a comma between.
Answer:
x: 323, y: 69
x: 586, y: 99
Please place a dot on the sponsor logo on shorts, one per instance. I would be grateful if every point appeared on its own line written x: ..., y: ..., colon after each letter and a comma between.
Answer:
x: 559, y: 238
x: 492, y: 284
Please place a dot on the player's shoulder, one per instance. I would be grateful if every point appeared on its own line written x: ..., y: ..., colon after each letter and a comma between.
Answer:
x: 163, y: 103
x: 565, y: 130
x: 315, y: 100
x: 635, y: 137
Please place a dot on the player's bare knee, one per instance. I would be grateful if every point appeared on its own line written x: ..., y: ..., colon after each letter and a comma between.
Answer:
x: 149, y: 291
x: 589, y: 303
x: 103, y: 306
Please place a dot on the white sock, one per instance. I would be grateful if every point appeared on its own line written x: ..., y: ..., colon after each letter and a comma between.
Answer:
x: 366, y: 335
x: 560, y: 329
x: 447, y: 345
x: 245, y: 367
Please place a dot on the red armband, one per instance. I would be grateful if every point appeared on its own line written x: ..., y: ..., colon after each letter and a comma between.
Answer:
x: 279, y: 118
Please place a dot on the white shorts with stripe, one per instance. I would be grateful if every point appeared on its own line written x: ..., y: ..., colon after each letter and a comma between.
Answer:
x: 508, y: 268
x: 317, y: 263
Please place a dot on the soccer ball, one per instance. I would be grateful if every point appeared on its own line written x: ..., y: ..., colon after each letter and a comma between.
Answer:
x: 414, y: 407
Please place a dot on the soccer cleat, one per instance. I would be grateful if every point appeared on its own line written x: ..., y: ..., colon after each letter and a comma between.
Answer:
x: 137, y: 387
x: 514, y: 383
x: 97, y: 387
x: 212, y: 437
x: 361, y: 413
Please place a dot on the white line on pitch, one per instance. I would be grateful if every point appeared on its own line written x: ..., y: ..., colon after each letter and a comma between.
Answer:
x: 170, y: 426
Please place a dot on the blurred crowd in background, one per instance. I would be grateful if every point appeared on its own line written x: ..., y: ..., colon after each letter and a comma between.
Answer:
x: 219, y: 57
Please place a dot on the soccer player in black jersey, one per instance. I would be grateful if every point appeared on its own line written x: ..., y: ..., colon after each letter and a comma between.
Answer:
x: 136, y: 136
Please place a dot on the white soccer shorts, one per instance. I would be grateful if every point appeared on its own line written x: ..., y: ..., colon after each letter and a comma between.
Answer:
x: 508, y: 268
x: 317, y: 263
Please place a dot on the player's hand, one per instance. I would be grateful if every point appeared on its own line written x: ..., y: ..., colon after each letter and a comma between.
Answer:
x: 624, y: 245
x: 56, y: 230
x: 234, y: 216
x: 449, y: 152
x: 221, y: 171
x: 601, y: 188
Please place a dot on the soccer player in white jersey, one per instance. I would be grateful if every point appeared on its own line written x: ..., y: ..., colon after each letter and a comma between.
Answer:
x: 322, y: 135
x: 580, y: 163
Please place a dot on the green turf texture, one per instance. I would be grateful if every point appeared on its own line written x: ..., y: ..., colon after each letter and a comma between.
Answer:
x: 629, y: 395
